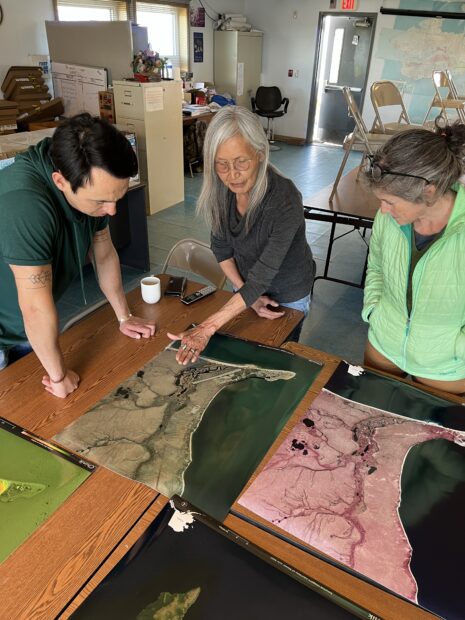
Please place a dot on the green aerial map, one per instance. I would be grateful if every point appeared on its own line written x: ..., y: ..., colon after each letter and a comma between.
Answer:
x: 34, y: 481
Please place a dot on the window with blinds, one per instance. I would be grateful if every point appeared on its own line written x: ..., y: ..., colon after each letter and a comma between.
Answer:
x: 167, y: 30
x: 92, y: 10
x: 167, y: 24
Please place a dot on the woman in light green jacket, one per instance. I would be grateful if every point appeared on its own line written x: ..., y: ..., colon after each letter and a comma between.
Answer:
x: 415, y: 287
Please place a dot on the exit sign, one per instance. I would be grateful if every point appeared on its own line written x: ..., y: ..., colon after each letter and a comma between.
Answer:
x: 348, y: 5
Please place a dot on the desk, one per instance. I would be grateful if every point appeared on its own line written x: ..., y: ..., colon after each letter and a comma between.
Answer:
x: 353, y: 206
x: 193, y: 146
x: 51, y: 567
x: 189, y: 120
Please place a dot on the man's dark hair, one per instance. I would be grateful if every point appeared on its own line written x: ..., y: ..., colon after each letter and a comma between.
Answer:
x: 84, y: 142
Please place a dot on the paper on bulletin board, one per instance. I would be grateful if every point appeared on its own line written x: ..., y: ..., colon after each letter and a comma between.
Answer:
x: 240, y: 79
x: 78, y: 86
x: 153, y: 99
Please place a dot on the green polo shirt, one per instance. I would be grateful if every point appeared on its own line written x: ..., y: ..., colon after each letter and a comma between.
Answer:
x: 37, y: 227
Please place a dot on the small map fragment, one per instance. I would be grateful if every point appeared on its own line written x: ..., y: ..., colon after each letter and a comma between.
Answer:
x: 170, y: 606
x: 13, y: 489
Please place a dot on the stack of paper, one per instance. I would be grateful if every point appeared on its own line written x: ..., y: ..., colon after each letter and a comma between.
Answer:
x: 234, y: 21
x: 194, y: 109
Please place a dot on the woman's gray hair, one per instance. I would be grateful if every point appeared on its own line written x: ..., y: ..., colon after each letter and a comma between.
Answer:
x: 229, y: 122
x: 437, y: 156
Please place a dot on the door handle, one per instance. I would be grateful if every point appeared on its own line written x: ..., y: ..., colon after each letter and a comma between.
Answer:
x: 336, y: 87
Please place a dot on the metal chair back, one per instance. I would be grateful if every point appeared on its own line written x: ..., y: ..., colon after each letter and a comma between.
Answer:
x: 446, y: 97
x: 365, y: 140
x: 195, y: 256
x: 384, y: 94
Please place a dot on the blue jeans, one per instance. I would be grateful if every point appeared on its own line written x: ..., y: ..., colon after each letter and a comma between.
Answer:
x: 304, y: 306
x: 301, y: 304
x: 8, y: 356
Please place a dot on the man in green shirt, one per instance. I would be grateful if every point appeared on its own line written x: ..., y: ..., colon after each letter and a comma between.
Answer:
x: 55, y: 200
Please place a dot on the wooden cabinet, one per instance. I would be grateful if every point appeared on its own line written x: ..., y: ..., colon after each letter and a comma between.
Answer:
x: 153, y: 111
x: 238, y: 64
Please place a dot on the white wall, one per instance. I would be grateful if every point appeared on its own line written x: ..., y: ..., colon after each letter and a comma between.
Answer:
x: 23, y: 31
x: 290, y: 43
x: 203, y: 71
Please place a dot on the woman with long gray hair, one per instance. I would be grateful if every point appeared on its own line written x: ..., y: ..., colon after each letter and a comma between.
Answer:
x: 415, y: 287
x: 257, y: 228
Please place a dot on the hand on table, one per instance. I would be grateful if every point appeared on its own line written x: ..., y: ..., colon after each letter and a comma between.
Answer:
x: 260, y: 307
x: 193, y: 342
x: 135, y: 327
x: 61, y: 389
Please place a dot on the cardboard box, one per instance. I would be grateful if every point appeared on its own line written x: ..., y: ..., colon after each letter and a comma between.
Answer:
x: 8, y: 128
x: 45, y: 112
x: 106, y: 102
x: 8, y: 107
x: 21, y: 71
x: 44, y: 125
x: 30, y: 106
x: 32, y: 95
x: 18, y: 85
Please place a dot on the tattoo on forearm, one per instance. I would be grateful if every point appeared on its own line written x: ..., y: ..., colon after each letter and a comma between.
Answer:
x: 42, y: 278
x: 101, y: 235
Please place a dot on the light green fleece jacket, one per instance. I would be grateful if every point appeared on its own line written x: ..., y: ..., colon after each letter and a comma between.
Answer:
x: 430, y: 342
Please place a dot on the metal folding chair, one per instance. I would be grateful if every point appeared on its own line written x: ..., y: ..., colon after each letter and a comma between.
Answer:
x: 196, y: 257
x: 385, y: 94
x: 360, y: 139
x: 446, y: 97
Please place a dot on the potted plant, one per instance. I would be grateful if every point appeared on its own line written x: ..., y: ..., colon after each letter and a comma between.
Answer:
x: 148, y: 66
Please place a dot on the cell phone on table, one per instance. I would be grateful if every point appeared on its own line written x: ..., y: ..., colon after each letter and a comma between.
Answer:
x: 176, y: 286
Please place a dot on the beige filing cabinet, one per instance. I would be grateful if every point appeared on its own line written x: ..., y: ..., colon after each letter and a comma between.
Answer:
x: 153, y: 111
x: 238, y: 64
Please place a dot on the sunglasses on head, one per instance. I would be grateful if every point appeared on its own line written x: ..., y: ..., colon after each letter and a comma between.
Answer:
x: 377, y: 172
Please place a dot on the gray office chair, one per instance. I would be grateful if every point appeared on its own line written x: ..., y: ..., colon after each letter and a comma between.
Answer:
x: 196, y: 257
x: 267, y: 103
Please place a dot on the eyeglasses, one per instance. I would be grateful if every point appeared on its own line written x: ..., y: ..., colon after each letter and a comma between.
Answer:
x: 240, y: 163
x: 378, y: 172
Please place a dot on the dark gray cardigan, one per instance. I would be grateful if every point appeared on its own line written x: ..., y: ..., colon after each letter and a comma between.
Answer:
x: 273, y: 257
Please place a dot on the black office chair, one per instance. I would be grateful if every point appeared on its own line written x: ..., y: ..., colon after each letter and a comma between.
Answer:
x: 267, y: 102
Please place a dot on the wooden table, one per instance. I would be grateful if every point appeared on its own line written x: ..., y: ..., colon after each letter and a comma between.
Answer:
x: 61, y: 563
x: 40, y: 578
x: 378, y: 602
x: 352, y: 205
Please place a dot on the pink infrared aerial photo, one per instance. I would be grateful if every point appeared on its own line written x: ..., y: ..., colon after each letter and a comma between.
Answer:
x: 335, y: 484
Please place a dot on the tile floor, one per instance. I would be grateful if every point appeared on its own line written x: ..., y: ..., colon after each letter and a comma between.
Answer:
x: 334, y: 323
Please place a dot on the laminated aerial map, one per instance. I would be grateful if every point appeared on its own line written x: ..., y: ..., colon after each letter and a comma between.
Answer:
x: 198, y: 431
x: 372, y: 479
x: 182, y: 567
x: 36, y: 477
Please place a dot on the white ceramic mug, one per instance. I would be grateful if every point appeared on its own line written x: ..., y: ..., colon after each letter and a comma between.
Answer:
x: 151, y: 289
